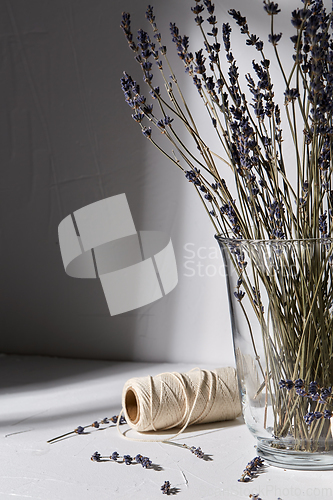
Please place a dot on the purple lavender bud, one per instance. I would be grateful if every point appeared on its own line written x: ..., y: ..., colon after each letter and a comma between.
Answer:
x: 146, y: 462
x: 271, y: 8
x: 274, y: 39
x: 166, y: 488
x: 309, y: 418
x: 251, y: 469
x: 289, y: 384
x: 168, y: 120
x: 128, y: 459
x: 313, y: 387
x: 146, y: 132
x: 239, y: 295
x: 199, y: 453
x: 299, y: 383
x: 197, y: 9
x: 324, y: 394
x: 291, y: 95
x: 95, y: 457
x: 138, y: 117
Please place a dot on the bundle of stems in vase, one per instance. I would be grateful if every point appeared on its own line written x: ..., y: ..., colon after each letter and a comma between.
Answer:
x: 264, y: 201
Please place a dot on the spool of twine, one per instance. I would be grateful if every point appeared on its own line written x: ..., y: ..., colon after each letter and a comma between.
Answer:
x: 180, y: 399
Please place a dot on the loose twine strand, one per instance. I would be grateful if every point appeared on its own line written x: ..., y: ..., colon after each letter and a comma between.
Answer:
x: 170, y: 400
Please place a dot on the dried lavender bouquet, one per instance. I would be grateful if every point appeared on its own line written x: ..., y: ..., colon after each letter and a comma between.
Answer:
x: 264, y: 204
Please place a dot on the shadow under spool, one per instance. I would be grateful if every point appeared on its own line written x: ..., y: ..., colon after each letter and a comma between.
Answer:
x: 132, y: 406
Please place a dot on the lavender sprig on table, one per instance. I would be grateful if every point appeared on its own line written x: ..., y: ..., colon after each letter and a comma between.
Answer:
x: 252, y: 469
x: 196, y: 451
x: 165, y: 488
x: 95, y: 425
x: 145, y: 462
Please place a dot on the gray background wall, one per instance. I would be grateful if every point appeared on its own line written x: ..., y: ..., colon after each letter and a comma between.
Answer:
x: 67, y: 140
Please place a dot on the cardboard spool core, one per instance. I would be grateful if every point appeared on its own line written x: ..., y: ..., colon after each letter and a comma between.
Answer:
x: 132, y: 405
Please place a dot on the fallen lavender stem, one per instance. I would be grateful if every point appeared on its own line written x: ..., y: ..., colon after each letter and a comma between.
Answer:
x: 255, y: 466
x: 196, y: 451
x: 127, y: 459
x: 166, y: 488
x: 96, y: 425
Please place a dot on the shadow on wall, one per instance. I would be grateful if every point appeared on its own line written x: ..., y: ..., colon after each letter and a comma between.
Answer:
x: 67, y: 141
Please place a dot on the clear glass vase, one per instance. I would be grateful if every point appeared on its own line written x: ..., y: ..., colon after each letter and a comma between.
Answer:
x: 281, y: 307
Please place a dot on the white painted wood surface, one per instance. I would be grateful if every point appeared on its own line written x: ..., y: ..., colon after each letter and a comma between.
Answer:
x: 41, y: 398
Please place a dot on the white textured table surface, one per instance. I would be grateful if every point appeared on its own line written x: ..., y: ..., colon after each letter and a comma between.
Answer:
x: 41, y: 398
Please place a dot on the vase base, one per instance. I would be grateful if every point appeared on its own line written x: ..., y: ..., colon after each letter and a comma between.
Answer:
x: 290, y: 459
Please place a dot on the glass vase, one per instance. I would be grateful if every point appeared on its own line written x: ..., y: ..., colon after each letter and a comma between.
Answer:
x: 281, y: 309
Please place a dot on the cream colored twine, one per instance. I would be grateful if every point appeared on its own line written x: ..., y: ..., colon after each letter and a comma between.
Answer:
x: 171, y: 400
